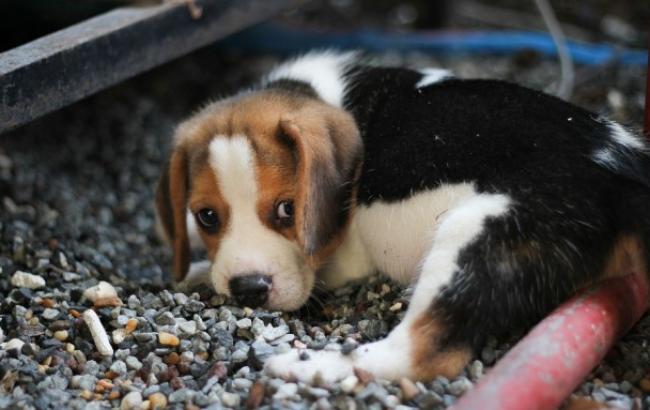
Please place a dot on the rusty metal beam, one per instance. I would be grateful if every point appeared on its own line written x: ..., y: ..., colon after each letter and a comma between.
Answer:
x: 68, y: 65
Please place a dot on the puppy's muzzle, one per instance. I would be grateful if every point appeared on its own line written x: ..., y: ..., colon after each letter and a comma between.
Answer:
x: 251, y: 290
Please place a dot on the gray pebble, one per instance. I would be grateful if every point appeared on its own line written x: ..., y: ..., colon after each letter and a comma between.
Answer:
x: 50, y: 314
x: 119, y: 367
x: 133, y: 363
x: 180, y: 395
x: 459, y: 386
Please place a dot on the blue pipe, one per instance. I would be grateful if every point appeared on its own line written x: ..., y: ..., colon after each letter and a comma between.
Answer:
x: 282, y: 39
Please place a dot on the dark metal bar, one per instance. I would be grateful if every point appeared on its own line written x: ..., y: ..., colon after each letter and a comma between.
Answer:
x: 68, y: 65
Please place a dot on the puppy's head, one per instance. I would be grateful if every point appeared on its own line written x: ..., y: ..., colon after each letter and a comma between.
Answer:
x: 269, y: 179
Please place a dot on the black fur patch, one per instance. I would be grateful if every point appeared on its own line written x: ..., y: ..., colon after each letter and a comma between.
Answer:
x: 504, y: 138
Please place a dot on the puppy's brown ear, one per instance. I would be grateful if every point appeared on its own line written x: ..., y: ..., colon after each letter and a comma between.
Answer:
x: 171, y: 207
x: 328, y: 147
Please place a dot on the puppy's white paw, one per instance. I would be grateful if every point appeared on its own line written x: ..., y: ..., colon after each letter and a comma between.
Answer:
x: 310, y: 366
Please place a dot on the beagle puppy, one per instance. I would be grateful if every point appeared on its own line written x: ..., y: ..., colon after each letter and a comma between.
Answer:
x: 495, y: 202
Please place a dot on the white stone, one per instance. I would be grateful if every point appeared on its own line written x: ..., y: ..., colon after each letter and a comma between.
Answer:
x: 230, y: 399
x: 118, y: 335
x: 98, y: 332
x: 100, y: 291
x: 132, y: 401
x: 14, y: 344
x: 271, y: 333
x: 349, y: 383
x: 244, y: 323
x: 27, y: 280
x: 188, y: 327
x: 285, y: 391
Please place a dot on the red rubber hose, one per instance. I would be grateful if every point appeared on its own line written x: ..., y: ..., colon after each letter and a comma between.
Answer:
x: 542, y: 370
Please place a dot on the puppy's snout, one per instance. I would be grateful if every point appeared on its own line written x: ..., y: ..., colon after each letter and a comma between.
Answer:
x: 251, y: 290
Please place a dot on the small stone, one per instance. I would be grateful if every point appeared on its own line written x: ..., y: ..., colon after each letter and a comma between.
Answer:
x: 349, y: 346
x: 626, y: 386
x: 119, y: 367
x: 131, y: 325
x: 349, y: 383
x: 256, y: 395
x: 271, y: 333
x: 165, y: 318
x: 84, y: 382
x: 118, y: 335
x: 242, y: 384
x: 188, y: 327
x: 244, y: 323
x: 14, y: 344
x: 157, y: 401
x: 488, y: 355
x: 259, y: 352
x: 317, y: 392
x: 286, y: 391
x: 133, y: 363
x: 50, y: 314
x: 61, y: 335
x: 101, y: 293
x: 22, y: 279
x: 459, y: 386
x: 132, y: 401
x: 644, y: 384
x: 168, y: 339
x: 181, y: 395
x: 429, y: 400
x: 476, y: 370
x: 172, y: 359
x: 239, y: 355
x: 230, y: 399
x: 181, y: 299
x: 409, y: 389
x: 133, y: 301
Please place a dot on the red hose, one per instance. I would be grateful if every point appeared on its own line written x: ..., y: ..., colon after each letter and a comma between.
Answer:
x: 542, y: 370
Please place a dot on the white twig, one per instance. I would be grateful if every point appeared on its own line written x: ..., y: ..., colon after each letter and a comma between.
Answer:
x: 98, y: 332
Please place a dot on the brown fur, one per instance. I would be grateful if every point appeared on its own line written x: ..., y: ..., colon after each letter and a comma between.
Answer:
x: 205, y: 194
x: 627, y: 256
x: 427, y: 360
x: 306, y: 151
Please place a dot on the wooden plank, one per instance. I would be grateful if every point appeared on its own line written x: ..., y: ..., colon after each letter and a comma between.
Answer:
x: 68, y: 65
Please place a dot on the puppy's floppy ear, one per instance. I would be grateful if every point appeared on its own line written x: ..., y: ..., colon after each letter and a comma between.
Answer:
x: 171, y: 207
x: 329, y: 151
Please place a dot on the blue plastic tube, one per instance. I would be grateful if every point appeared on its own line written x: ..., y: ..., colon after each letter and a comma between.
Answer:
x: 282, y: 39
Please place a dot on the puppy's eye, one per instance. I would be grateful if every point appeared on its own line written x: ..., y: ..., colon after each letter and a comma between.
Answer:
x: 208, y: 219
x: 284, y: 212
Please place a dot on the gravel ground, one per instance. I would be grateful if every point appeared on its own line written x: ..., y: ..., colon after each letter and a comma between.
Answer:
x: 77, y: 189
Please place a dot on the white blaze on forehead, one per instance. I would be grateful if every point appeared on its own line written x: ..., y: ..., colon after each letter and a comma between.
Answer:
x: 233, y: 161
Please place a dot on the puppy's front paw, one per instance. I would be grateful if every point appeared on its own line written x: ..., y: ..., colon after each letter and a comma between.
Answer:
x: 310, y: 366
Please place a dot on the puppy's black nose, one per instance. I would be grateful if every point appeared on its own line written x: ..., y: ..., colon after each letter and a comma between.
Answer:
x: 251, y: 290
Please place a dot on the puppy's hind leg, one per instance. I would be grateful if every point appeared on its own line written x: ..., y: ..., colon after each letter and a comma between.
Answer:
x: 416, y: 348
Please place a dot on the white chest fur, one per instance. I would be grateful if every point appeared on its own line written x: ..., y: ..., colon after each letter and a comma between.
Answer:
x: 393, y: 238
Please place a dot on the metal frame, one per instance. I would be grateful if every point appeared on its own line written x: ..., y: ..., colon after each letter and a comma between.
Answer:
x: 68, y: 65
